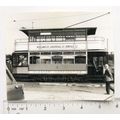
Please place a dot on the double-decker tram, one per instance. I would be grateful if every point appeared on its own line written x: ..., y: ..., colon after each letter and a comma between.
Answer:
x: 60, y: 55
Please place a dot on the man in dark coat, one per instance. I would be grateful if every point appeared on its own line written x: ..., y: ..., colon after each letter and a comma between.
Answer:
x: 108, y: 79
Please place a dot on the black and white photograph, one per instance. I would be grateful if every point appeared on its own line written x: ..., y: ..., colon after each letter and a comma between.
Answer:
x: 59, y: 56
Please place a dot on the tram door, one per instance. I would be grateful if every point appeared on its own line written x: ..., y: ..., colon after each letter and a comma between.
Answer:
x: 96, y: 61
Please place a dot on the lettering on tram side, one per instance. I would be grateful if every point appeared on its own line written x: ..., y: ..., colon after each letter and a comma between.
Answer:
x: 57, y: 46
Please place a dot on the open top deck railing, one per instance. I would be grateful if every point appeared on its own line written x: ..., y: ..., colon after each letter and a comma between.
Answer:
x: 81, y: 44
x: 79, y: 39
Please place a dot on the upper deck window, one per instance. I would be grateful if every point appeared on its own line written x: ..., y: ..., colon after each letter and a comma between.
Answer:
x: 68, y: 34
x: 70, y: 38
x: 58, y: 38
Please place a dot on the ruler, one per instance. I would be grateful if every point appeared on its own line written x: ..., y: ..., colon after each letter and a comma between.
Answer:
x: 63, y: 107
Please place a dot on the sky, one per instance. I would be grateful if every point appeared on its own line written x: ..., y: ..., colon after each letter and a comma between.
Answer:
x: 14, y: 19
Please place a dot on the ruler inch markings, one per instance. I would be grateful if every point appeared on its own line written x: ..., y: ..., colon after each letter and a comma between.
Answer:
x: 62, y: 107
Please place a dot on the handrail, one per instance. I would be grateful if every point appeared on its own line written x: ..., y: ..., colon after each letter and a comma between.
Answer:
x: 96, y: 38
x: 88, y: 39
x: 21, y: 40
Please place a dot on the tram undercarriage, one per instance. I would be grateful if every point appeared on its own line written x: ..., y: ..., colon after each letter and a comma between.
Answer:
x: 60, y: 78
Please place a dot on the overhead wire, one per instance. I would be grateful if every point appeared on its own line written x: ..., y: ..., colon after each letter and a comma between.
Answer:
x: 81, y: 22
x: 88, y: 20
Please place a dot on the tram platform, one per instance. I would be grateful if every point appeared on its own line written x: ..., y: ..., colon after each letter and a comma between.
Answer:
x: 66, y: 91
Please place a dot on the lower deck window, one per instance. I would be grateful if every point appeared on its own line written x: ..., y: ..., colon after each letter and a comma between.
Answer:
x: 98, y: 61
x: 68, y: 61
x: 45, y: 61
x: 20, y: 59
x: 34, y: 59
x: 80, y: 59
x: 57, y: 59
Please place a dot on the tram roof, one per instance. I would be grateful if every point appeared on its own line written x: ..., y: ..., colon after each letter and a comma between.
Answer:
x: 90, y: 30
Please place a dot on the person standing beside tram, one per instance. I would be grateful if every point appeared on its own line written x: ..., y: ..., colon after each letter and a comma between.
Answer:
x: 108, y: 78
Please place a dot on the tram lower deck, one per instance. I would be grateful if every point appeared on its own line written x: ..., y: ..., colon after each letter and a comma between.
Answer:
x: 58, y: 68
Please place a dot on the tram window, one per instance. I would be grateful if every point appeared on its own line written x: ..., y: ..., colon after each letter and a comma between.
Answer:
x: 95, y: 61
x: 42, y: 38
x: 34, y: 53
x: 101, y: 61
x: 57, y: 60
x: 48, y: 38
x: 80, y: 59
x: 105, y: 60
x: 70, y: 38
x: 45, y: 61
x: 32, y: 39
x: 37, y: 59
x: 38, y: 39
x: 80, y: 32
x: 45, y: 53
x: 80, y: 53
x: 68, y: 61
x: 15, y: 60
x: 56, y: 53
x: 20, y: 60
x: 68, y: 53
x: 90, y: 61
x: 58, y: 38
x: 34, y: 60
x: 79, y: 36
x: 77, y: 53
x: 98, y: 61
x: 53, y: 38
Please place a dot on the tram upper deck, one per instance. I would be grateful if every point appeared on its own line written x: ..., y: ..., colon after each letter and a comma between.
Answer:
x: 62, y: 39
